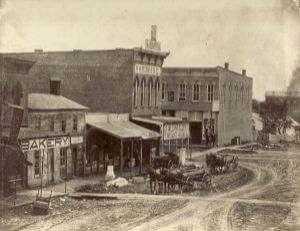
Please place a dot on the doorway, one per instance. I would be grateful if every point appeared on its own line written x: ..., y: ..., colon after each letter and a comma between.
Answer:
x: 196, y: 132
x: 74, y: 155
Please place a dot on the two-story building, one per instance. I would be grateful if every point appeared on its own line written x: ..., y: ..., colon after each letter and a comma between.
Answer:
x: 216, y: 99
x: 54, y: 141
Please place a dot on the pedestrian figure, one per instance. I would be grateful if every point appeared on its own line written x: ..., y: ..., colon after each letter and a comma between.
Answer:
x: 206, y: 136
x: 213, y: 138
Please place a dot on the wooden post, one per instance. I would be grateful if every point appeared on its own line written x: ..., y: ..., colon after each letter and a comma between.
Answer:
x: 121, y: 158
x: 169, y: 145
x: 131, y: 157
x: 66, y: 174
x: 42, y: 172
x: 175, y: 145
x: 188, y: 149
x: 141, y: 156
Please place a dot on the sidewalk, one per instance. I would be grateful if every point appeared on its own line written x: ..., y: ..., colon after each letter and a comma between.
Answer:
x: 28, y: 196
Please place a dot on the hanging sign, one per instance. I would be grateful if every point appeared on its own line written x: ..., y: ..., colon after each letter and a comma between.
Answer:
x: 176, y: 131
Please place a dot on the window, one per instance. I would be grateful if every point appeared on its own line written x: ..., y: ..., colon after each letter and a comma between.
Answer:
x: 135, y: 92
x: 242, y: 94
x: 171, y: 96
x: 63, y: 125
x: 156, y: 92
x: 163, y: 91
x: 236, y: 94
x: 182, y: 91
x: 210, y: 92
x: 150, y: 92
x: 51, y: 126
x: 248, y: 95
x: 230, y: 88
x: 143, y: 93
x: 38, y: 122
x: 196, y: 92
x: 224, y: 93
x: 37, y: 164
x: 75, y: 123
x: 63, y: 156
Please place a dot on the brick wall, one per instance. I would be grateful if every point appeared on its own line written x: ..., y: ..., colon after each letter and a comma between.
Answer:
x: 100, y: 80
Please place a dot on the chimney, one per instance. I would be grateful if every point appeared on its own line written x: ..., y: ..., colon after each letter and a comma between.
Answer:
x: 55, y: 87
x: 153, y: 32
x: 226, y: 66
x: 244, y: 72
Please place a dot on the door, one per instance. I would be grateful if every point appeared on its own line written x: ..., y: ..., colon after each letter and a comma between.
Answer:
x: 196, y: 132
x: 74, y: 153
x: 51, y: 156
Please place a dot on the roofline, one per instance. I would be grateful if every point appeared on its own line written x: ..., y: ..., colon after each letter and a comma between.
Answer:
x: 64, y: 51
x: 153, y: 52
x: 61, y: 109
x: 244, y: 76
x: 190, y: 68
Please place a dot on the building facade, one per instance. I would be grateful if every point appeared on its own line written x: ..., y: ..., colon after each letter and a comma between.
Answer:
x: 113, y: 81
x: 54, y: 141
x: 213, y: 99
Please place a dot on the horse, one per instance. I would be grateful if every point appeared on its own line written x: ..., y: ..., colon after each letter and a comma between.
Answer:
x: 216, y: 163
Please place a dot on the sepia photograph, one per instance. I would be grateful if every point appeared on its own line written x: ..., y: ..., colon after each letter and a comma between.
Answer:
x: 141, y: 115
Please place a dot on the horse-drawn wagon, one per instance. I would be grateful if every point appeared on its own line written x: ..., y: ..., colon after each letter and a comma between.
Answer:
x: 221, y: 163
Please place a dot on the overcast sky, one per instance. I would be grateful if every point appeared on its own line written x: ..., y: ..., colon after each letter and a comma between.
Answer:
x: 261, y: 36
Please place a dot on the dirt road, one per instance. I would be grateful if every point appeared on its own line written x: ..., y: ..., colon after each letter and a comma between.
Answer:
x: 269, y: 202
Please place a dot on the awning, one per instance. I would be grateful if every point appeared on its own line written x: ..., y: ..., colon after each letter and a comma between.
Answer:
x: 124, y: 129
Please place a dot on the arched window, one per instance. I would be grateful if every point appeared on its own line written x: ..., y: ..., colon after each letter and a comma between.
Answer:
x: 242, y: 94
x: 163, y: 91
x: 143, y: 85
x: 150, y: 85
x: 156, y: 92
x: 236, y: 94
x: 135, y: 91
x: 182, y: 91
x: 230, y: 89
x: 248, y: 94
x: 196, y: 92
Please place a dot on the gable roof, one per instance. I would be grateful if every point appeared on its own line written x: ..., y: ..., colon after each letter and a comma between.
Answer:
x: 49, y: 102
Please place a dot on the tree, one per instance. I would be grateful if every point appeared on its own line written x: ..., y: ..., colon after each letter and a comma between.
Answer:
x: 275, y: 116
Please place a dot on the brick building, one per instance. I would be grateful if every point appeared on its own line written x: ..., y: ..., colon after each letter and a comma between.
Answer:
x: 217, y: 99
x: 113, y: 81
x: 54, y: 139
x: 291, y: 98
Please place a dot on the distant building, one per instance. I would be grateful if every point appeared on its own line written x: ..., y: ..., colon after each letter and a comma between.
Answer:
x: 216, y: 99
x: 54, y: 141
x: 292, y: 99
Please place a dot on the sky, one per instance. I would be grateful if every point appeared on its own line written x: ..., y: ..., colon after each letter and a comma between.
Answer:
x: 260, y: 36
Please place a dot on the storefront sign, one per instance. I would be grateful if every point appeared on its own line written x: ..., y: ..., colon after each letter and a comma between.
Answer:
x: 77, y: 140
x: 45, y: 143
x: 176, y: 131
x: 147, y: 69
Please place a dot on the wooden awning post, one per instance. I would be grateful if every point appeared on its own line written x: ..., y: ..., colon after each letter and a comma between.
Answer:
x: 121, y: 158
x: 169, y: 145
x: 188, y: 149
x: 141, y: 156
x: 131, y: 157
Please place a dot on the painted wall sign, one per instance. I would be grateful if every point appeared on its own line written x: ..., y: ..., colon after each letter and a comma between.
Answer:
x: 77, y: 140
x: 45, y: 143
x: 176, y: 131
x: 147, y: 69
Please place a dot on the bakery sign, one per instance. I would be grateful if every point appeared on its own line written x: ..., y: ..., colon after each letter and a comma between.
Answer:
x: 45, y: 143
x: 147, y: 69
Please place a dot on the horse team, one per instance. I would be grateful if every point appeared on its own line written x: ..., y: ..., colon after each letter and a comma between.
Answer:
x: 166, y: 172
